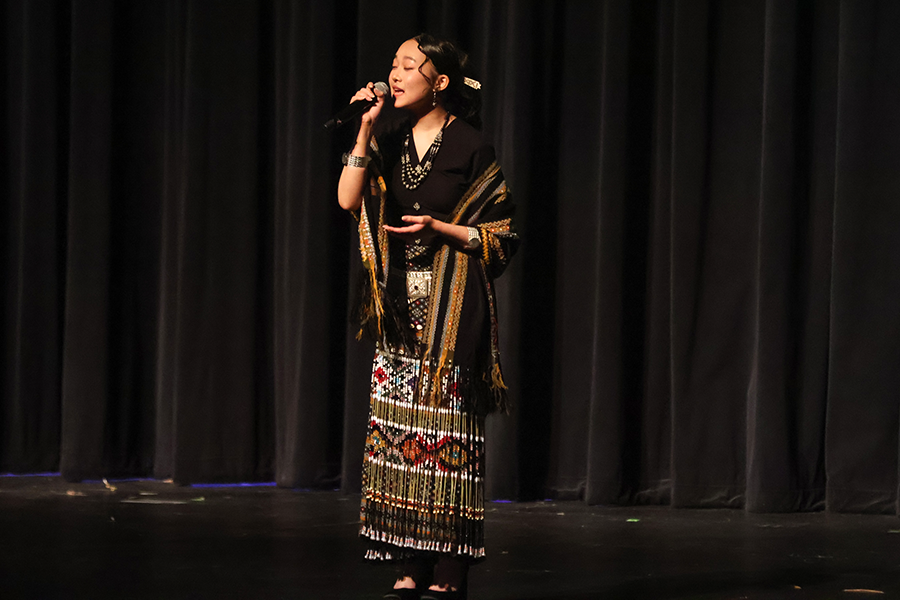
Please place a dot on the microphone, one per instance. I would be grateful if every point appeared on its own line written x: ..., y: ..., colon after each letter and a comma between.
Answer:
x: 354, y: 109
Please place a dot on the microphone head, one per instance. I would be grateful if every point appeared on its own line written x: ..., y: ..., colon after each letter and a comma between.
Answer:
x: 382, y: 87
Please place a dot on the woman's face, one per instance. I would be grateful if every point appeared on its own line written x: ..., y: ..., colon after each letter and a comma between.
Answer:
x: 409, y: 87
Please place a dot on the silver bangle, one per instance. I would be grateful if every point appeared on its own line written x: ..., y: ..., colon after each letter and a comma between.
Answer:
x: 355, y: 161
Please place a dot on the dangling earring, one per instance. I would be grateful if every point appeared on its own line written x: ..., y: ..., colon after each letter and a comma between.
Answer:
x: 434, y: 99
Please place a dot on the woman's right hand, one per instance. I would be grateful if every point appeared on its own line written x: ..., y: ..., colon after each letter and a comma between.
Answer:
x: 368, y: 93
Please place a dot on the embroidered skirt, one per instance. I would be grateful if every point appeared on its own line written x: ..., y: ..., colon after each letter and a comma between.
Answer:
x: 423, y: 489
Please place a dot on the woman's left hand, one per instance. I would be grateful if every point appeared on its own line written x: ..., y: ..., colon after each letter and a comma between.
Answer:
x: 421, y: 227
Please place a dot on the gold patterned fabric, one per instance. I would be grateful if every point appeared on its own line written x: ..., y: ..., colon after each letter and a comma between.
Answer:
x: 457, y: 278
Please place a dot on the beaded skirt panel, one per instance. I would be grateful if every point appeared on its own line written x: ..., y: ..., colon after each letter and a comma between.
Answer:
x: 422, y: 470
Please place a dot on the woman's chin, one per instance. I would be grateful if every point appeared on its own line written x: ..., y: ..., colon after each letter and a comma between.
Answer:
x: 413, y: 105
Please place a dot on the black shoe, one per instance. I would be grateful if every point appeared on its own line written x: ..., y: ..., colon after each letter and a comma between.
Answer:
x: 403, y: 594
x: 433, y: 595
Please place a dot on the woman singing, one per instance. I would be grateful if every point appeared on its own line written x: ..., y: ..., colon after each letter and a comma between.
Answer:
x: 435, y: 225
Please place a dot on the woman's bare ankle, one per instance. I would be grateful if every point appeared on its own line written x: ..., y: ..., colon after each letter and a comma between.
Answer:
x: 405, y: 583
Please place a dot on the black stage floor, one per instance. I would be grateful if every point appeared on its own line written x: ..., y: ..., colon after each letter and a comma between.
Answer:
x: 149, y: 539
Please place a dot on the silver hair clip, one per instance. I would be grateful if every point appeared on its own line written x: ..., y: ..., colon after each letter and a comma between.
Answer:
x: 475, y: 85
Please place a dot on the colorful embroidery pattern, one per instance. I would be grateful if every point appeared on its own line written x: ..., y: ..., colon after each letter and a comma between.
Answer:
x: 410, y: 449
x: 422, y: 470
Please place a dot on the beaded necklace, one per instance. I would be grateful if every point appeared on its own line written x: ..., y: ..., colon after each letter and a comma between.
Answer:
x: 413, y: 177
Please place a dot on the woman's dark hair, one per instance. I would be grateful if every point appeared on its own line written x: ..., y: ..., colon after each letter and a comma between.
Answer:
x: 461, y: 100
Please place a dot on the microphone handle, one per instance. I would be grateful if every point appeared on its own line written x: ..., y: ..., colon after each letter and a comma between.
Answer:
x: 349, y: 112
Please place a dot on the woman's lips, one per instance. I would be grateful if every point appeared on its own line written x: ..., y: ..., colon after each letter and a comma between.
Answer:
x: 397, y: 91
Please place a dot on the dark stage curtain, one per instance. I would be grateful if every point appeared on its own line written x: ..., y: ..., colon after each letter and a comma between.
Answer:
x: 705, y: 310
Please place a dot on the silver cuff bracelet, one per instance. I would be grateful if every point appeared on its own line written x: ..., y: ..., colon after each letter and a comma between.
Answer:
x: 355, y: 161
x: 474, y: 238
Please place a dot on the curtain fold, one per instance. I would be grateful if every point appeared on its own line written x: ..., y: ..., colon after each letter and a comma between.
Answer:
x: 862, y: 414
x: 88, y: 330
x: 310, y: 242
x: 703, y: 312
x: 34, y: 128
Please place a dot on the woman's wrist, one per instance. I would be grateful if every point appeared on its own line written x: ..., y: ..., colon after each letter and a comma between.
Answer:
x: 454, y: 233
x: 363, y: 138
x: 360, y: 151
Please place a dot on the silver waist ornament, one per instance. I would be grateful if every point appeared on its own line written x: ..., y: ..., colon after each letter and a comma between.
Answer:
x: 418, y: 284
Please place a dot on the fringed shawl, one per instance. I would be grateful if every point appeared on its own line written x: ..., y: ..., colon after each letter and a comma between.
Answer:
x: 462, y: 289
